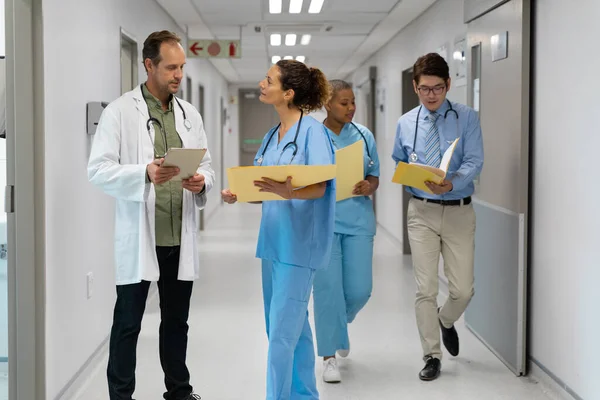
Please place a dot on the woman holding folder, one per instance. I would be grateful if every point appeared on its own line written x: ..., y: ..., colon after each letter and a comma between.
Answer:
x: 343, y: 289
x: 296, y: 232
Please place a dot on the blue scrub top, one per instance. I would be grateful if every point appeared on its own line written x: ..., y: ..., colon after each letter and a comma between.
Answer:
x: 298, y: 232
x: 355, y: 216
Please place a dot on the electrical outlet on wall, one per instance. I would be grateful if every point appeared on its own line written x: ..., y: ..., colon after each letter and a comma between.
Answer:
x: 90, y: 284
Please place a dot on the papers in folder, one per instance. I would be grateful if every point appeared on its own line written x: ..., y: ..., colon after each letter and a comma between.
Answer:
x: 350, y: 169
x: 187, y: 160
x: 241, y: 179
x: 415, y: 175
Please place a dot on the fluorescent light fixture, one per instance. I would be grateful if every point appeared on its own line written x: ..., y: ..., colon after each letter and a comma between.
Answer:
x: 295, y: 6
x: 301, y: 59
x: 290, y: 39
x: 315, y: 6
x: 275, y: 59
x: 275, y: 39
x: 305, y: 40
x: 275, y: 6
x: 288, y: 58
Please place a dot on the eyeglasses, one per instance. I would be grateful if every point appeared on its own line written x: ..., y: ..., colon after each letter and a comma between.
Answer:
x: 425, y: 90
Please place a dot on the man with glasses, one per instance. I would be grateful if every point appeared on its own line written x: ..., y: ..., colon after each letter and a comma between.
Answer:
x: 441, y: 221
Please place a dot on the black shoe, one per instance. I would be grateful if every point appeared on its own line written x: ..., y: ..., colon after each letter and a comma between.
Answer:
x: 450, y: 338
x: 193, y: 396
x: 431, y: 370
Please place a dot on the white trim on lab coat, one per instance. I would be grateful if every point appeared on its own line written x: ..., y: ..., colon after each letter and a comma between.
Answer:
x: 121, y: 149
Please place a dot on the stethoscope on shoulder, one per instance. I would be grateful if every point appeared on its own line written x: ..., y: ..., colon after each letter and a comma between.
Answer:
x: 371, y: 162
x: 289, y: 145
x: 413, y: 156
x: 186, y: 122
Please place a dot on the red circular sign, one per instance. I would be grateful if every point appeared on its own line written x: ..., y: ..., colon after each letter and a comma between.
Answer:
x: 214, y: 49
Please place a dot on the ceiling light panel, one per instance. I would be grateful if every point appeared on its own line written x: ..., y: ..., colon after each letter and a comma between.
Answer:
x: 275, y: 6
x: 295, y: 6
x: 315, y: 6
x: 290, y: 39
x: 276, y: 39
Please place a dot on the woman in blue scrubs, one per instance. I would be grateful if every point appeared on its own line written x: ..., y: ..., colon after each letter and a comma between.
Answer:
x: 296, y: 233
x: 343, y: 289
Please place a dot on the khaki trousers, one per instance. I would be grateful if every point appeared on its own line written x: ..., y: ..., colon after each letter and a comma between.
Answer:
x: 434, y: 229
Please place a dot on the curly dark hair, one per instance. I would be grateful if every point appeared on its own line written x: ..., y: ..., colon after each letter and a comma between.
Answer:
x: 310, y: 86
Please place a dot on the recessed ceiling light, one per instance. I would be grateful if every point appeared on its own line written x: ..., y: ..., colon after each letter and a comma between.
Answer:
x: 290, y: 39
x: 275, y: 39
x: 301, y: 59
x: 275, y: 59
x: 275, y: 6
x: 315, y: 6
x: 305, y: 40
x: 288, y: 58
x: 295, y: 6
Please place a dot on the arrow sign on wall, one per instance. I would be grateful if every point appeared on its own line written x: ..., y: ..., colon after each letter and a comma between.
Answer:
x: 195, y: 48
x: 211, y: 48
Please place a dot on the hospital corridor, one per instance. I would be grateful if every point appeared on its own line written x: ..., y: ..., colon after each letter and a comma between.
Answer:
x: 299, y: 200
x: 227, y: 328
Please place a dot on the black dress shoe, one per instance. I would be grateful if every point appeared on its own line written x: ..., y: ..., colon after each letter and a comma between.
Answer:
x: 431, y: 370
x: 450, y: 338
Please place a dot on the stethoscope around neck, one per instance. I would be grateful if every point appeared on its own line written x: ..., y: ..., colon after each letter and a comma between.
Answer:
x: 371, y: 162
x: 413, y: 156
x: 186, y: 122
x: 289, y: 145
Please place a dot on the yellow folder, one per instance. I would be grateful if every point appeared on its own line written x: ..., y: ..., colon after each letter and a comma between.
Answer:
x: 241, y: 179
x: 350, y: 169
x: 415, y: 175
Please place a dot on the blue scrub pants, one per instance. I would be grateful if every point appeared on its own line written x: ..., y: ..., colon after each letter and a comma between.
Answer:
x: 291, y: 359
x: 342, y: 290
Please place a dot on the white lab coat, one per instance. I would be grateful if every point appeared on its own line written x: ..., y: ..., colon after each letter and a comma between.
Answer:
x: 121, y: 150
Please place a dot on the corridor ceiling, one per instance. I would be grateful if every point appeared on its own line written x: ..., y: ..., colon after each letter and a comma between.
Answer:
x: 343, y: 35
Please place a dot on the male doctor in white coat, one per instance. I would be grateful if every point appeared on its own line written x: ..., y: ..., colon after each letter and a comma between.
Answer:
x: 156, y: 213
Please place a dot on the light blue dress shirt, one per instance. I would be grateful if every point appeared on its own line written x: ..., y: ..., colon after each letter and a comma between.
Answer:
x: 298, y: 232
x: 467, y: 160
x: 355, y: 216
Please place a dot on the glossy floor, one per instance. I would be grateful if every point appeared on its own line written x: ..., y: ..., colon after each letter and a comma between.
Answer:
x: 227, y: 347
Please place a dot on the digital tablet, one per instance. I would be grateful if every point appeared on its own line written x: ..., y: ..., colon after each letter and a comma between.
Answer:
x: 187, y: 160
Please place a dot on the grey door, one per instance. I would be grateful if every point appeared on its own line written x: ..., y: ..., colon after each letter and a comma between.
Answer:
x: 498, y: 87
x: 256, y: 119
x: 410, y: 100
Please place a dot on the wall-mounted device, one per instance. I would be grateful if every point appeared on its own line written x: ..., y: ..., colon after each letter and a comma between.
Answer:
x: 93, y: 112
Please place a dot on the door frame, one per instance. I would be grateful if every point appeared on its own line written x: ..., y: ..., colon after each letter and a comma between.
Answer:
x: 201, y: 102
x: 25, y: 198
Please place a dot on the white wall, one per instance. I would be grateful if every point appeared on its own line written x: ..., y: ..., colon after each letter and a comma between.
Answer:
x: 204, y: 73
x: 231, y: 141
x: 565, y: 268
x: 438, y: 26
x: 81, y: 65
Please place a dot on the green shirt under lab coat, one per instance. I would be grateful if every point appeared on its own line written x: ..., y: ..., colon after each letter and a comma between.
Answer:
x: 169, y: 195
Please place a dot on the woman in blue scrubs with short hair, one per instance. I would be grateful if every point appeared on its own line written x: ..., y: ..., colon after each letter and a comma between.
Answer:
x: 296, y: 233
x: 343, y: 289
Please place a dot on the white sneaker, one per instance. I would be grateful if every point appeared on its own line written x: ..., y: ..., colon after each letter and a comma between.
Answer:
x: 331, y: 371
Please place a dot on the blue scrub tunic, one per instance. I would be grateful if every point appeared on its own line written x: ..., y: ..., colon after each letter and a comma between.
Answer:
x: 298, y: 232
x: 355, y: 216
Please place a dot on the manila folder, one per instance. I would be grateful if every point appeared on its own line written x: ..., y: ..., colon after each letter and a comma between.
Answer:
x: 350, y: 169
x: 415, y: 175
x: 241, y: 179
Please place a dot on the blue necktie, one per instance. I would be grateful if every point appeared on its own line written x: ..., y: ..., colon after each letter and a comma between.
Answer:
x: 433, y: 154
